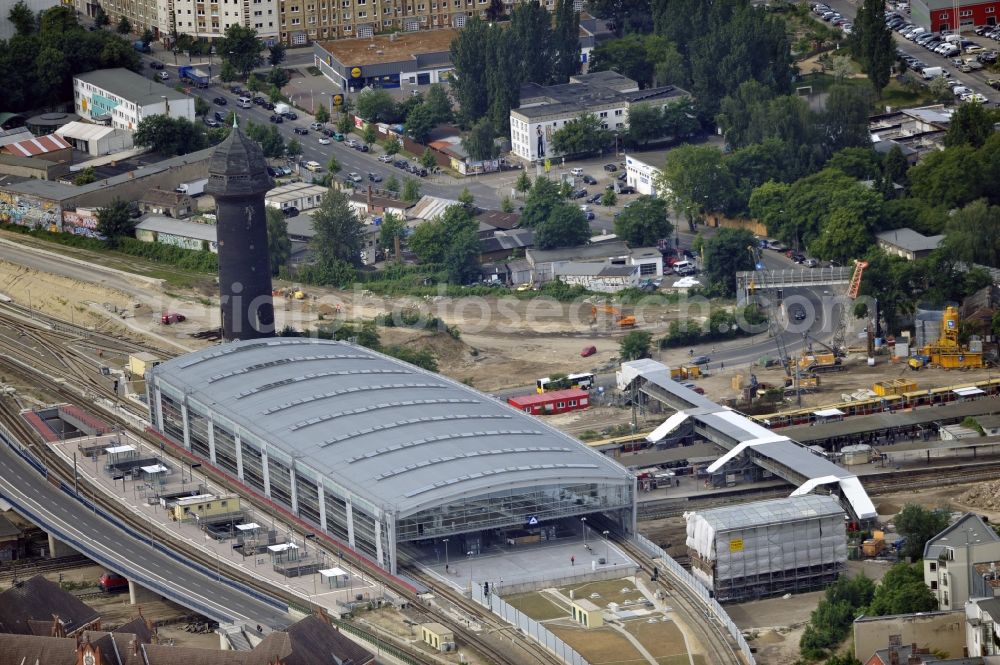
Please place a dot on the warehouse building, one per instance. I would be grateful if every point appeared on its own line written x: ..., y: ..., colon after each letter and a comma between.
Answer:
x: 298, y: 195
x: 768, y: 548
x: 378, y: 453
x: 939, y: 15
x: 121, y: 98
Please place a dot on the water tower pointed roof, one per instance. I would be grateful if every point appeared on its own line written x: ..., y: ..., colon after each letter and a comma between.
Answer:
x: 238, y: 167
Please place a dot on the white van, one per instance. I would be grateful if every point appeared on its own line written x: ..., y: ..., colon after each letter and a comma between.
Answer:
x: 953, y: 39
x: 244, y: 102
x: 684, y: 268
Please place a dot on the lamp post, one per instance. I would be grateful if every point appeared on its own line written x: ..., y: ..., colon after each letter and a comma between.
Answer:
x: 211, y: 52
x: 166, y: 105
x: 447, y: 561
x: 583, y: 522
x: 312, y: 102
x: 191, y: 468
x: 607, y: 548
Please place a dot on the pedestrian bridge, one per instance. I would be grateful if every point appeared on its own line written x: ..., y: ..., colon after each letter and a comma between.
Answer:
x: 739, y: 435
x: 792, y: 277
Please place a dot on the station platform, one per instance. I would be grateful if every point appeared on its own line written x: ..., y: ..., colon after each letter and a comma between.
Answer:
x: 515, y: 568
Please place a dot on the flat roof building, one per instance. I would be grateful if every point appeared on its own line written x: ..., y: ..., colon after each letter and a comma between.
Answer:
x: 607, y: 95
x: 95, y: 140
x: 387, y: 61
x: 300, y: 195
x: 122, y: 98
x: 377, y: 452
x: 907, y: 243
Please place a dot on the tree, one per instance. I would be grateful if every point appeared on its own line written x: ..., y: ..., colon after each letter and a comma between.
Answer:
x: 115, y: 222
x: 506, y: 205
x: 543, y: 197
x: 871, y: 43
x: 466, y: 198
x: 333, y: 165
x: 431, y: 240
x: 147, y: 37
x: 845, y: 119
x: 124, y: 27
x: 369, y: 135
x: 392, y: 230
x: 201, y: 107
x: 859, y: 163
x: 495, y: 11
x: 502, y: 77
x: 902, y: 591
x: 22, y: 18
x: 294, y: 148
x: 566, y: 226
x: 645, y: 124
x: 972, y: 234
x: 345, y: 124
x: 470, y: 59
x: 322, y: 115
x: 392, y: 146
x: 241, y: 47
x: 376, y: 106
x: 644, y: 222
x: 392, y: 184
x: 274, y: 94
x: 101, y: 18
x: 480, y: 142
x: 462, y: 256
x: 565, y: 42
x: 420, y: 123
x: 254, y: 84
x: 438, y: 103
x: 85, y: 177
x: 276, y: 54
x: 696, y: 179
x: 971, y: 124
x: 726, y: 253
x: 609, y: 198
x: 427, y: 160
x: 278, y: 77
x: 169, y: 136
x: 580, y: 136
x: 411, y: 190
x: 531, y: 33
x: 636, y: 345
x: 843, y: 236
x: 918, y: 525
x: 523, y: 182
x: 279, y: 247
x: 338, y: 232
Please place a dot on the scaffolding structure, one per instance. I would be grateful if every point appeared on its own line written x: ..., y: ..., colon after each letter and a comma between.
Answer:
x: 768, y: 548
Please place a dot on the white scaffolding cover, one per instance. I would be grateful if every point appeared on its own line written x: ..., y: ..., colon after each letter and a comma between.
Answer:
x: 768, y: 536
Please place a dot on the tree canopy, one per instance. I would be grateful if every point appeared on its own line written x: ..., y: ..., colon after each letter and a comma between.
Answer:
x: 918, y: 525
x: 241, y: 48
x: 565, y: 226
x: 114, y: 221
x: 725, y: 254
x: 451, y: 239
x: 170, y: 136
x: 580, y: 136
x: 644, y: 222
x: 279, y: 247
x: 902, y: 591
x: 338, y: 232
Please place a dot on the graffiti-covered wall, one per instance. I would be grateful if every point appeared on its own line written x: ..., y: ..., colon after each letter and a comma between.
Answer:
x: 27, y: 210
x: 82, y: 222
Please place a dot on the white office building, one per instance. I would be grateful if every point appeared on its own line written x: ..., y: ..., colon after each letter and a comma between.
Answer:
x: 546, y: 109
x: 641, y: 175
x: 120, y: 98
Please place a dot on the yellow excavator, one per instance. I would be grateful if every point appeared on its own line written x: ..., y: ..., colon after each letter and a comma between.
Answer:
x: 620, y: 320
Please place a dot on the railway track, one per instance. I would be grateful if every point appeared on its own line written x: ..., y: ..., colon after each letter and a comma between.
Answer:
x: 24, y: 570
x: 713, y: 638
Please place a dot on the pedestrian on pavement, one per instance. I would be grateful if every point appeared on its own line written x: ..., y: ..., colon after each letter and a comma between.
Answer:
x: 572, y: 561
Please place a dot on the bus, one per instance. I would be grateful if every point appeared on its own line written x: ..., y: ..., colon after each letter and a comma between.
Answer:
x: 582, y: 381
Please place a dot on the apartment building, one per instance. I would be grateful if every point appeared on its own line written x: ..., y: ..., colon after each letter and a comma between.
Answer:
x: 120, y: 98
x: 141, y: 14
x: 951, y: 558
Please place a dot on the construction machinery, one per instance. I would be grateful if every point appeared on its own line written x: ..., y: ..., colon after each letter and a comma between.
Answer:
x: 824, y: 361
x: 620, y: 320
x: 946, y: 351
x: 840, y: 333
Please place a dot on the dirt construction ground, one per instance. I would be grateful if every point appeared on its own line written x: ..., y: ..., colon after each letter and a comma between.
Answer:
x: 503, y: 342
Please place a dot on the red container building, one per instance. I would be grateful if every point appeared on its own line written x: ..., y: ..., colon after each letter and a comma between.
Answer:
x: 558, y: 401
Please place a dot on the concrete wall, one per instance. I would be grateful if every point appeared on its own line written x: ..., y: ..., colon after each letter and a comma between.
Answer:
x: 586, y: 575
x: 938, y: 631
x: 754, y: 226
x: 29, y: 167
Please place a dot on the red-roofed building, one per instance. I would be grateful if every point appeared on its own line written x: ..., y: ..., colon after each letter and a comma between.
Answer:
x: 51, y: 147
x: 558, y: 401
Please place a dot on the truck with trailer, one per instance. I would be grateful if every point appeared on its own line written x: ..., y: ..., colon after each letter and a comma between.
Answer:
x: 192, y: 188
x: 194, y: 75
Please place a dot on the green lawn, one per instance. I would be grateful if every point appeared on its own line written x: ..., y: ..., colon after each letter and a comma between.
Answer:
x: 537, y: 606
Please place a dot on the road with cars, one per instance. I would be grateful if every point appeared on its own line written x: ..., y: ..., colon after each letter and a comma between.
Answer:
x: 974, y: 81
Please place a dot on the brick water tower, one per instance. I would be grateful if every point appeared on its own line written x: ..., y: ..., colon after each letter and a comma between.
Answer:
x: 238, y: 180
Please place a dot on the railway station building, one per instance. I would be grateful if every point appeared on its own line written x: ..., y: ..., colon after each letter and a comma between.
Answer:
x: 380, y: 454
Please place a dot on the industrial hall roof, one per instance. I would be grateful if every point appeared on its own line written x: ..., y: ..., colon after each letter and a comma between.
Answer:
x: 392, y: 433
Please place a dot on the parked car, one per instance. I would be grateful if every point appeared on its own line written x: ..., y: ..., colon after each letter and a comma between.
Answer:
x: 700, y: 360
x: 301, y: 130
x: 220, y: 116
x: 579, y: 194
x: 588, y: 351
x: 268, y: 105
x: 276, y: 119
x: 589, y: 215
x: 350, y: 143
x: 797, y: 312
x: 324, y: 140
x: 291, y: 115
x: 326, y: 131
x: 221, y: 101
x: 596, y: 198
x: 374, y: 177
x: 401, y: 164
x: 286, y: 170
x: 589, y: 179
x: 362, y: 147
x: 171, y: 317
x: 577, y: 171
x: 626, y: 189
x: 337, y: 136
x: 316, y: 126
x: 258, y: 100
x: 610, y: 168
x: 212, y: 122
x: 385, y: 159
x: 354, y: 177
x: 810, y: 263
x: 156, y: 65
x: 290, y: 211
